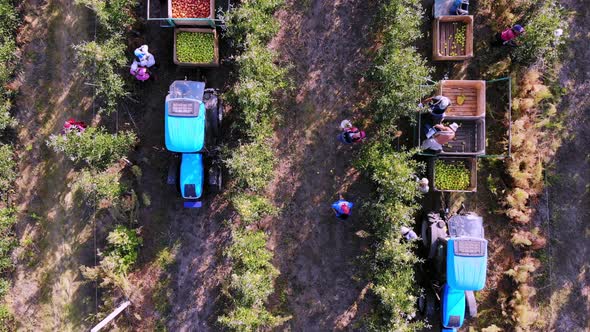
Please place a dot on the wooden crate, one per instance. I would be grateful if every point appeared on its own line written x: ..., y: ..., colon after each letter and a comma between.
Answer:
x: 185, y: 21
x: 470, y: 163
x: 215, y: 62
x: 443, y: 30
x: 474, y: 92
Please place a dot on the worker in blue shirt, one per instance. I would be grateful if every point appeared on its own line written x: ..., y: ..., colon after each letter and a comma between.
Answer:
x: 342, y: 208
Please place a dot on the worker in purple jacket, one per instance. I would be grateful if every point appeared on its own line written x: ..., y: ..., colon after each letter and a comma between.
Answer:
x: 342, y: 208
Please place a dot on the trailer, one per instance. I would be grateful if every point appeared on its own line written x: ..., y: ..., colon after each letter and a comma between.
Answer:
x: 194, y: 24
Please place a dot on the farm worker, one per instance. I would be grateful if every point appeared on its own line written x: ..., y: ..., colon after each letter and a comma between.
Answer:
x: 342, y: 208
x: 422, y: 185
x: 442, y: 136
x: 408, y: 234
x: 72, y: 125
x: 508, y: 36
x: 350, y: 134
x: 437, y: 105
x: 460, y: 7
x: 141, y: 74
x: 144, y: 57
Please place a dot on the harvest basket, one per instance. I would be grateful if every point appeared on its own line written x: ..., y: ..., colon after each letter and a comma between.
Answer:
x: 214, y: 63
x: 192, y: 20
x: 444, y: 30
x: 468, y: 163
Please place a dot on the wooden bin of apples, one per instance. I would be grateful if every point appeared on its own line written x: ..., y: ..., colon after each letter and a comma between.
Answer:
x: 191, y: 9
x: 195, y: 47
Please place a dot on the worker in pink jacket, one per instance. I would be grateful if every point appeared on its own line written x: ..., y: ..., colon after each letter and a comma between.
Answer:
x: 508, y: 36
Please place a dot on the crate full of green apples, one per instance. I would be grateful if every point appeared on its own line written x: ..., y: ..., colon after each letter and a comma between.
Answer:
x: 454, y: 174
x: 195, y: 47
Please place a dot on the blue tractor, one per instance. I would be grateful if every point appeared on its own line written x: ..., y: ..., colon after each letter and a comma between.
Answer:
x: 192, y: 125
x: 457, y: 264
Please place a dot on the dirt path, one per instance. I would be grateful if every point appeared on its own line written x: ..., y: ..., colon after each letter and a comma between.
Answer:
x: 199, y: 267
x: 48, y: 290
x: 325, y: 41
x: 568, y: 195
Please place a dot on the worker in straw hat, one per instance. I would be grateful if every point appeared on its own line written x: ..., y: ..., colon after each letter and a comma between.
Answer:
x: 440, y: 136
x: 422, y: 185
x: 408, y: 234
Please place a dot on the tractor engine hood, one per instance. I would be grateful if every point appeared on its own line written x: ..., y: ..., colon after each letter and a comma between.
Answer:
x: 191, y: 175
x: 467, y: 259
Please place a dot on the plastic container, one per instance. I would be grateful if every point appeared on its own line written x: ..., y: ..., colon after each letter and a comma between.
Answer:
x: 444, y: 28
x: 214, y: 63
x: 469, y: 162
x: 192, y: 21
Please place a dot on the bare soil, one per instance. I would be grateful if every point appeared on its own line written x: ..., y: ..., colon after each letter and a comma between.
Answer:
x: 564, y: 208
x: 199, y: 268
x: 320, y: 283
x: 48, y: 292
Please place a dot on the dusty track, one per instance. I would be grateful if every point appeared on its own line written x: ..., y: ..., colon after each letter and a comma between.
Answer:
x: 568, y: 194
x: 48, y: 290
x: 326, y: 43
x: 199, y: 267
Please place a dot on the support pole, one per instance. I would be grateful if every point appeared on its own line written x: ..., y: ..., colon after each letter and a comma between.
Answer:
x: 110, y: 317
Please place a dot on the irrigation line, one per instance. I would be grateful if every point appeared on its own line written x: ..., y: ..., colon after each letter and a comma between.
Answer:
x: 550, y: 249
x: 94, y: 205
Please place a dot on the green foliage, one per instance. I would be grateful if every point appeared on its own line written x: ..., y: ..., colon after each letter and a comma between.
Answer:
x: 248, y: 251
x: 115, y: 16
x: 7, y: 57
x: 101, y: 185
x: 8, y: 20
x: 539, y: 41
x: 94, y: 146
x: 101, y: 62
x: 259, y: 78
x: 7, y: 168
x: 246, y: 319
x: 8, y: 24
x: 252, y: 164
x: 251, y: 26
x: 252, y: 208
x: 253, y: 18
x: 7, y: 239
x: 252, y: 281
x: 5, y: 119
x: 400, y: 70
x: 392, y: 260
x: 123, y: 247
x: 4, y: 287
x: 7, y: 321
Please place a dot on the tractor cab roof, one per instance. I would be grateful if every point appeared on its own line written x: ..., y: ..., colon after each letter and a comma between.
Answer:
x: 185, y: 117
x: 466, y: 225
x: 467, y: 253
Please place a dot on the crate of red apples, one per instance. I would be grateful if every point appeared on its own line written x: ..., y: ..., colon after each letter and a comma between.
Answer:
x: 179, y: 9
